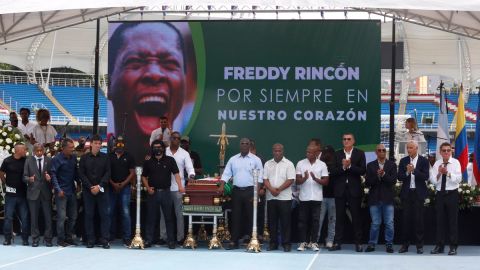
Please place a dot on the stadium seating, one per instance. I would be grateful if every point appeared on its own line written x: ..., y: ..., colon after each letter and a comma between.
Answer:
x: 79, y: 100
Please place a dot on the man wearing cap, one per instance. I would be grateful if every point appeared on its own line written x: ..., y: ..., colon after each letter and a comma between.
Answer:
x: 185, y: 143
x: 122, y: 167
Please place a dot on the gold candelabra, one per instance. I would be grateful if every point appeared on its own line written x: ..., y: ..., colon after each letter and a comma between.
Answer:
x: 254, y: 244
x: 137, y: 241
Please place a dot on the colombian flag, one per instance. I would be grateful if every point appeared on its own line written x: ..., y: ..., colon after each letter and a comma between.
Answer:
x: 461, y: 145
x: 476, y: 151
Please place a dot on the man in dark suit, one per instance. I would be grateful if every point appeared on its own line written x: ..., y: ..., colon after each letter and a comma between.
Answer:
x: 350, y: 165
x: 413, y: 171
x: 381, y: 178
x: 39, y: 192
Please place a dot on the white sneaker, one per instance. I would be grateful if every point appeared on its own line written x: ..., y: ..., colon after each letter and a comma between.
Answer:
x: 329, y: 244
x: 302, y: 246
x: 314, y: 246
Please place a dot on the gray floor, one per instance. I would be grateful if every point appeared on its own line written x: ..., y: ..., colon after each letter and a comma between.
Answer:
x: 119, y: 257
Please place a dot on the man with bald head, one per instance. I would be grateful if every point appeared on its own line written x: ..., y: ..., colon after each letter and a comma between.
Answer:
x: 381, y: 178
x: 279, y: 174
x: 11, y: 174
x: 311, y: 175
x: 147, y: 73
x: 413, y: 171
x: 239, y: 168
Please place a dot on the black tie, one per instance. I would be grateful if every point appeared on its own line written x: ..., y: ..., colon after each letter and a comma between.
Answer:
x: 444, y: 180
x: 40, y: 165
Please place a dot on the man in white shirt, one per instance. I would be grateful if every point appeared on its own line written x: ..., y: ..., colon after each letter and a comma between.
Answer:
x: 26, y: 128
x: 446, y: 177
x: 279, y: 174
x: 311, y: 175
x: 184, y: 163
x: 472, y: 181
x: 162, y: 133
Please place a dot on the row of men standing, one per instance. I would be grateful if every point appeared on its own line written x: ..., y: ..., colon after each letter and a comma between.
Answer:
x: 338, y: 175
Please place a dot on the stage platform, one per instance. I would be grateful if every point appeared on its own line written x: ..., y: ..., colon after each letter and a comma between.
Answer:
x: 119, y: 258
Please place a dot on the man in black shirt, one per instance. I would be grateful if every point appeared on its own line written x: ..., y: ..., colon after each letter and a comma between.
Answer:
x: 94, y: 172
x: 156, y: 177
x: 16, y: 192
x: 122, y: 167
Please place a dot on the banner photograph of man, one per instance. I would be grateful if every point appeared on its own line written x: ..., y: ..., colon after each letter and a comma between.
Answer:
x: 150, y: 68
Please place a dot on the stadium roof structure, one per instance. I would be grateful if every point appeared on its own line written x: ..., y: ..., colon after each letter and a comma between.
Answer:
x: 442, y: 37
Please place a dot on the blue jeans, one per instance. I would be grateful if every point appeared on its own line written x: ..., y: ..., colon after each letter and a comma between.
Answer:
x: 18, y: 205
x: 328, y: 205
x: 120, y: 200
x: 66, y: 206
x: 377, y: 212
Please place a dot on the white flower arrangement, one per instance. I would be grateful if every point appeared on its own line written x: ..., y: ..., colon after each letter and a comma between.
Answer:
x: 8, y: 138
x: 366, y: 190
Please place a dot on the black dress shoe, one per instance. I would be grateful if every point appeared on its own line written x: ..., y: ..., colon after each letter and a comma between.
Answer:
x: 419, y: 250
x: 106, y: 245
x: 161, y: 242
x: 287, y: 247
x: 335, y: 247
x: 62, y: 243
x: 7, y: 242
x: 48, y: 243
x: 370, y: 248
x: 35, y: 243
x: 90, y: 245
x: 232, y: 245
x: 147, y: 244
x: 172, y: 245
x: 71, y: 242
x: 272, y: 246
x: 452, y: 251
x: 389, y: 248
x: 358, y: 248
x: 437, y: 250
x: 25, y: 243
x: 403, y: 249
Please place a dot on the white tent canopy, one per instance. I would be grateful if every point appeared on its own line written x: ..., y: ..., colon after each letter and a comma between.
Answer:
x: 20, y: 19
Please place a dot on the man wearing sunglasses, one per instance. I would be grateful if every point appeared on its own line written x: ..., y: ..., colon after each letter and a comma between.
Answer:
x: 413, y: 172
x: 381, y: 178
x: 350, y: 165
x: 446, y: 176
x: 122, y: 166
x: 184, y: 164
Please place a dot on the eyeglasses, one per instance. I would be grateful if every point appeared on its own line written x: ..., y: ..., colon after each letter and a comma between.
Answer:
x: 347, y: 139
x: 175, y: 138
x: 446, y: 150
x: 381, y: 150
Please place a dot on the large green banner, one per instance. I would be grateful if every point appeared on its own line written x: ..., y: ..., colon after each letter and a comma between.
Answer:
x: 271, y: 81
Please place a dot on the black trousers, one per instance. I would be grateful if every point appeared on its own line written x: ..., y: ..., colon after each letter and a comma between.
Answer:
x: 446, y: 207
x: 46, y: 206
x: 242, y: 211
x: 413, y: 211
x: 309, y: 220
x: 279, y: 212
x: 102, y: 203
x: 160, y: 199
x: 354, y: 204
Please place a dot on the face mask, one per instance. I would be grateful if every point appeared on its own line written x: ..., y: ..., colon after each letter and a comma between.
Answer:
x: 157, y: 151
